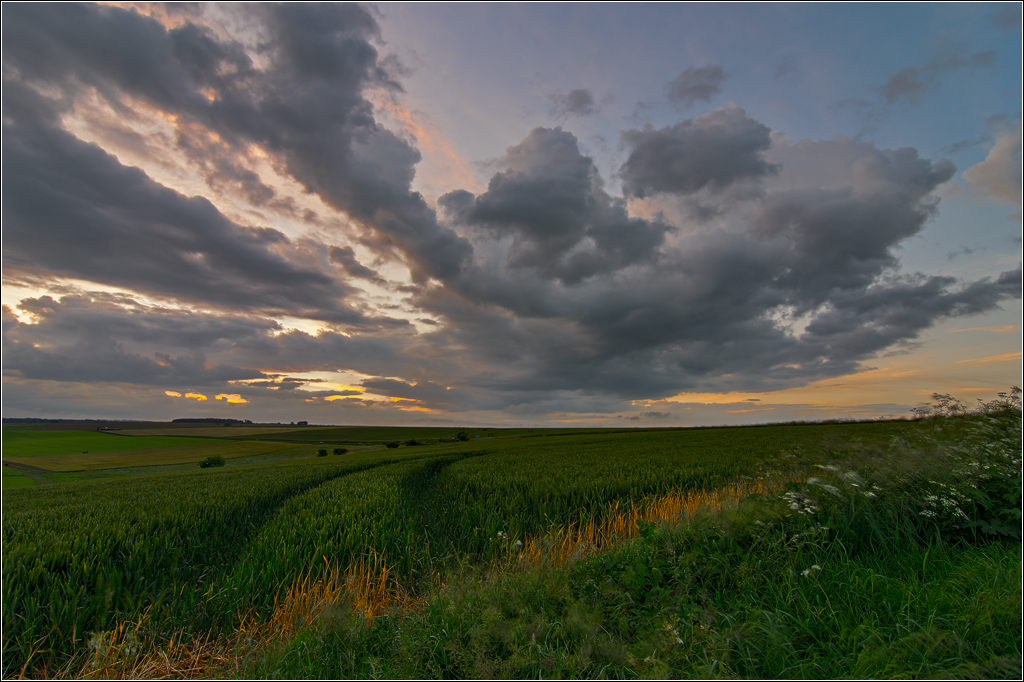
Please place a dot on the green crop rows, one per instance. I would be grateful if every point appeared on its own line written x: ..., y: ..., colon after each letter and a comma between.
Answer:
x: 196, y: 549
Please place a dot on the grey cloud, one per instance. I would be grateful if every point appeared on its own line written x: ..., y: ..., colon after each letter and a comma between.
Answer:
x: 304, y: 106
x: 693, y: 85
x: 714, y: 150
x: 111, y: 339
x: 710, y: 308
x: 578, y: 102
x: 422, y: 392
x: 551, y: 204
x: 1007, y: 17
x: 868, y: 321
x: 76, y: 211
x: 656, y: 415
x: 910, y: 83
x: 786, y: 70
x: 346, y: 258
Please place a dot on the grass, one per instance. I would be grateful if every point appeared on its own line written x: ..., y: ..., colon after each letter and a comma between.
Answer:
x: 174, y: 454
x: 21, y: 444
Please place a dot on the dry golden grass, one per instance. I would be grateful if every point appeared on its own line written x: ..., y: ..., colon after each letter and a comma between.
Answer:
x: 622, y: 521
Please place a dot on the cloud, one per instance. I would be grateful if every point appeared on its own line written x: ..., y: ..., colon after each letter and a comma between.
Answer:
x: 910, y: 83
x: 792, y: 283
x: 1007, y: 17
x: 578, y: 102
x: 538, y: 294
x: 550, y: 210
x: 693, y: 85
x: 713, y: 150
x: 346, y: 258
x: 998, y: 177
x: 302, y: 103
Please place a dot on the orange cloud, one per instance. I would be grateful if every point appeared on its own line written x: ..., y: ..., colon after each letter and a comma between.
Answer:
x: 991, y: 359
x: 997, y: 328
x: 174, y: 394
x: 231, y: 398
x: 395, y: 400
x: 197, y: 396
x: 421, y: 409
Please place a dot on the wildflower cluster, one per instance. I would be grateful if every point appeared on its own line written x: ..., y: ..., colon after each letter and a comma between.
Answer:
x: 983, y: 490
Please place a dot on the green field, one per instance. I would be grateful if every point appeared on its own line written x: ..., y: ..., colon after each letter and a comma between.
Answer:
x: 19, y: 443
x: 15, y: 481
x: 196, y: 549
x: 176, y: 454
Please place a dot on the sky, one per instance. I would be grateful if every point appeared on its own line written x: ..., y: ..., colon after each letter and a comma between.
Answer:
x: 504, y: 214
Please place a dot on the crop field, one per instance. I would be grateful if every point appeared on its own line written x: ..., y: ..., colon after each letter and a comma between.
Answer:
x: 37, y: 443
x: 101, y: 574
x: 149, y: 456
x: 383, y: 434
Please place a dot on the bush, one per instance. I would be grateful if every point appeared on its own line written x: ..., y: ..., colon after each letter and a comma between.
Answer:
x: 463, y: 435
x: 412, y: 442
x: 340, y: 451
x: 392, y: 444
x: 322, y: 452
x: 212, y: 461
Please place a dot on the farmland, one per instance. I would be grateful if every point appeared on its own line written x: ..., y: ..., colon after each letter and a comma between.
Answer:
x: 507, y: 550
x: 19, y: 444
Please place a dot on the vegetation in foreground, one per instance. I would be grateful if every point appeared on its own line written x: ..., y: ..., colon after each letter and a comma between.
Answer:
x: 883, y: 550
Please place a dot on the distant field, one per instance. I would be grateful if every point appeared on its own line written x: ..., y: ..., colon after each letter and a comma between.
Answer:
x: 198, y: 450
x: 18, y: 443
x: 204, y: 431
x: 381, y: 434
x: 15, y: 481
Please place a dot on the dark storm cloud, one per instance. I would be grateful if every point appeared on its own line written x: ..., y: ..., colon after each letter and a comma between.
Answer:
x: 713, y: 150
x: 305, y: 107
x: 579, y: 102
x: 910, y: 83
x: 550, y: 204
x: 346, y: 258
x: 693, y: 85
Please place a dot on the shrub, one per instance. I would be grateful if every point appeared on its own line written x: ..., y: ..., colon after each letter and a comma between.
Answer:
x: 392, y: 444
x: 412, y: 442
x: 322, y: 452
x: 212, y: 461
x: 340, y: 451
x: 463, y: 435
